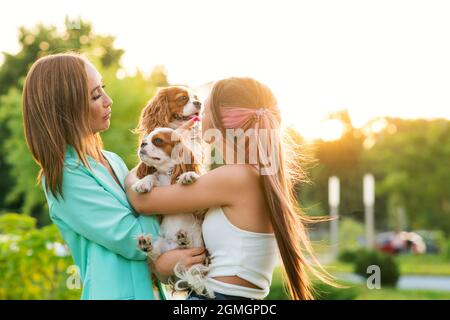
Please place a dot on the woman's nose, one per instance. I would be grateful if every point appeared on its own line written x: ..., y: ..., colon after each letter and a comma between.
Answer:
x: 108, y: 102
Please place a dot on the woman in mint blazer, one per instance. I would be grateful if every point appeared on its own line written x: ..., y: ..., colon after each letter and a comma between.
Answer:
x: 100, y: 227
x: 64, y: 109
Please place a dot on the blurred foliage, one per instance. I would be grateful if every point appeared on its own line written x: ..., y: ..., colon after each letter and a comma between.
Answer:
x: 350, y: 234
x: 30, y: 266
x: 22, y: 168
x: 410, y: 161
x: 347, y: 255
x: 42, y: 40
x: 340, y: 158
x: 389, y: 269
x: 410, y: 264
x: 446, y: 250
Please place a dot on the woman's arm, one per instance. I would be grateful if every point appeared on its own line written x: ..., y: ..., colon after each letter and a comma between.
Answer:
x: 219, y: 187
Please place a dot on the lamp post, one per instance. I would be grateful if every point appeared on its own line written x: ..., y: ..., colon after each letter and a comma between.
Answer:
x: 369, y: 201
x: 333, y: 201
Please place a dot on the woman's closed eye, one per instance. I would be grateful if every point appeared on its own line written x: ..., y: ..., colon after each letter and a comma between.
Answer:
x: 98, y: 92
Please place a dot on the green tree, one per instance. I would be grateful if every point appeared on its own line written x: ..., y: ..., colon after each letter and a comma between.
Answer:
x: 410, y: 160
x: 341, y: 158
x: 41, y: 40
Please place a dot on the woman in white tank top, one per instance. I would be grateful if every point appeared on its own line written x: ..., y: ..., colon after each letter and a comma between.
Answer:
x: 252, y: 217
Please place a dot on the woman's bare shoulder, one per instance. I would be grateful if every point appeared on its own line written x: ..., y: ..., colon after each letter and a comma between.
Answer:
x: 236, y: 174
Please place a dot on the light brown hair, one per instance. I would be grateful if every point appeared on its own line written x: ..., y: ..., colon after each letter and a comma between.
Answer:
x: 288, y: 220
x: 55, y: 105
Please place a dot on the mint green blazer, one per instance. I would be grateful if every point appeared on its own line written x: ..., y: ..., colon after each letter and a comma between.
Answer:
x: 100, y: 228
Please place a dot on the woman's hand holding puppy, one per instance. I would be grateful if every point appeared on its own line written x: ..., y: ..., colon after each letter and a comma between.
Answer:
x: 166, y: 262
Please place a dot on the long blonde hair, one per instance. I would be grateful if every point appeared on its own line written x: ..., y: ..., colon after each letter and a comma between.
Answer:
x: 55, y: 105
x: 288, y: 220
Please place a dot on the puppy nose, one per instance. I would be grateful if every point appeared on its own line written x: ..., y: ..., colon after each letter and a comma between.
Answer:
x: 197, y: 104
x: 143, y: 144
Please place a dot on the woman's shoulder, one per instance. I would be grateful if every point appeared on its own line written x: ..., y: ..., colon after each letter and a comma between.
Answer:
x: 238, y: 168
x: 113, y: 156
x: 120, y: 163
x: 73, y: 162
x: 236, y: 174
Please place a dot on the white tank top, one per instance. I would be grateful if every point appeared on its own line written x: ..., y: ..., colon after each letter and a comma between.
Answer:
x: 251, y: 256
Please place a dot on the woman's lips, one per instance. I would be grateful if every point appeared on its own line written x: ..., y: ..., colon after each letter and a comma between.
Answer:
x: 107, y: 116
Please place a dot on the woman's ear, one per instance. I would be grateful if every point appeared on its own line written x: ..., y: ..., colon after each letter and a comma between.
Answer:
x: 155, y: 114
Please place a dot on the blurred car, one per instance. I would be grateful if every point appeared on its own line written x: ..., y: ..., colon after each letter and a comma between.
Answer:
x: 431, y: 240
x: 400, y: 242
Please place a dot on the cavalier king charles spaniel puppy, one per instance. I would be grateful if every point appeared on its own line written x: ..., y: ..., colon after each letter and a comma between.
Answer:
x: 171, y: 107
x: 164, y: 150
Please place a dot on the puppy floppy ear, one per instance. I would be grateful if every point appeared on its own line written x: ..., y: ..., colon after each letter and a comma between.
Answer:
x: 143, y: 170
x: 155, y: 114
x: 186, y: 161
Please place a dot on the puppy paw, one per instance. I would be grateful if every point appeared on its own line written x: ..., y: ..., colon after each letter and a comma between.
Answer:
x: 183, y: 239
x: 187, y: 178
x: 144, y: 243
x: 144, y: 185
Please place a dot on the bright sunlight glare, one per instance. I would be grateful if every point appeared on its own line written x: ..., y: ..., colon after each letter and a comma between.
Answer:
x: 372, y: 58
x: 331, y: 130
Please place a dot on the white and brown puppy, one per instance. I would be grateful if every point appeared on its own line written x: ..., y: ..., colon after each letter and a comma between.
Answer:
x: 164, y: 150
x: 170, y: 107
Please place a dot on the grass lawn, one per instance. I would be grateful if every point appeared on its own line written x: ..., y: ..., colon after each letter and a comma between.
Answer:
x: 393, y: 294
x: 409, y: 264
x: 359, y: 292
x: 424, y: 264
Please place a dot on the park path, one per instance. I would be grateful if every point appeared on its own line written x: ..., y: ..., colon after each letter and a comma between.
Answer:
x: 411, y: 282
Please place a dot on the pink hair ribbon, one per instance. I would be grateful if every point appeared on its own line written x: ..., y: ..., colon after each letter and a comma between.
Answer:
x: 235, y: 117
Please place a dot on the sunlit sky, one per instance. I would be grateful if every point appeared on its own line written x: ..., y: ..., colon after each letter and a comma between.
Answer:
x: 374, y: 58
